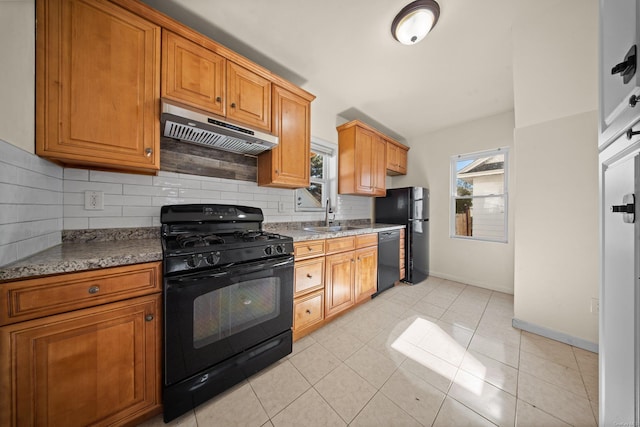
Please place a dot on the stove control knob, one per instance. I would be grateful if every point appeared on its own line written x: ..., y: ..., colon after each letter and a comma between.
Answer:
x: 268, y: 250
x: 279, y: 249
x: 194, y: 260
x: 213, y: 258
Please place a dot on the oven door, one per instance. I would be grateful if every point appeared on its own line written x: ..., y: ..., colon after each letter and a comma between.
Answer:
x: 213, y: 315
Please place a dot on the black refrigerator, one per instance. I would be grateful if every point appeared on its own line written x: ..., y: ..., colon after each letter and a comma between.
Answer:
x: 409, y: 206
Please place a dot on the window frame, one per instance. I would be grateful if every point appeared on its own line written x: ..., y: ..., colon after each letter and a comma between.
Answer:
x: 328, y: 153
x: 453, y: 196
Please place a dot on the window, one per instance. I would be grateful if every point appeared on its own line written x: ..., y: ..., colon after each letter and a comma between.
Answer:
x: 479, y: 195
x: 313, y: 198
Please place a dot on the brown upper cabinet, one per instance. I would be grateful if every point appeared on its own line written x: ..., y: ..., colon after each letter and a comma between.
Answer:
x: 198, y: 77
x: 361, y: 160
x: 97, y: 85
x: 99, y: 80
x: 287, y: 165
x: 192, y: 74
x: 396, y: 158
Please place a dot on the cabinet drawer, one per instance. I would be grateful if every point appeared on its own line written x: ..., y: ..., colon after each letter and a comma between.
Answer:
x: 308, y: 310
x: 30, y: 299
x: 364, y: 240
x: 308, y: 249
x: 340, y: 244
x: 309, y: 275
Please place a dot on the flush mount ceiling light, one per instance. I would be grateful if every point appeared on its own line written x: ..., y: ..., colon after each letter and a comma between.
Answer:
x: 415, y: 21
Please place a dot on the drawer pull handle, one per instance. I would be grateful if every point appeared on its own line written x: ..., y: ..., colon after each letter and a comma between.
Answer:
x: 309, y: 276
x: 148, y: 317
x: 308, y: 311
x: 94, y: 290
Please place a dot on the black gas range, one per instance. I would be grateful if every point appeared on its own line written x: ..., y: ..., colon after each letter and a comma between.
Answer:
x: 228, y: 300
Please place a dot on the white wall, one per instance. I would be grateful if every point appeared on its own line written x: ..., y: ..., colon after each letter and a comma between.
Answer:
x: 480, y: 263
x: 17, y: 68
x: 556, y: 204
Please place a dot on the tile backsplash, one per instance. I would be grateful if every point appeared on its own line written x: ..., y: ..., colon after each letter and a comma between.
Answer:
x: 31, y: 203
x: 39, y: 199
x: 134, y: 200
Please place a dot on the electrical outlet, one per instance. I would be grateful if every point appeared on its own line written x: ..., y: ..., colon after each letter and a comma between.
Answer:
x: 595, y: 306
x: 282, y: 207
x: 93, y: 200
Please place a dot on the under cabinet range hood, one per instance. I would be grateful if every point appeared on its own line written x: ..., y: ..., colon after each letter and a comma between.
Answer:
x: 191, y: 125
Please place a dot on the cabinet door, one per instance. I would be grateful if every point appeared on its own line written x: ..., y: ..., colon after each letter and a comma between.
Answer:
x: 379, y: 166
x: 97, y: 365
x: 619, y: 33
x: 392, y: 157
x: 97, y: 85
x: 287, y: 164
x: 248, y: 97
x: 339, y: 292
x: 192, y: 74
x: 366, y: 281
x: 364, y: 161
x: 402, y: 161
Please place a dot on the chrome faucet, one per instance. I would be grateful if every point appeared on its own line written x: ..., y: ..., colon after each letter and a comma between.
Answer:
x: 327, y: 211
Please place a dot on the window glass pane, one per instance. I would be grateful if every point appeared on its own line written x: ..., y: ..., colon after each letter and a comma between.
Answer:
x: 480, y: 177
x: 310, y: 197
x: 317, y: 166
x: 480, y: 217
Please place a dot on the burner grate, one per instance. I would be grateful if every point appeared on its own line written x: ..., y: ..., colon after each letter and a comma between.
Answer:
x: 191, y: 240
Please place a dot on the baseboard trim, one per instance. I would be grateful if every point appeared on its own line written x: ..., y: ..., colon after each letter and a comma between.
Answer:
x: 555, y: 335
x: 470, y: 282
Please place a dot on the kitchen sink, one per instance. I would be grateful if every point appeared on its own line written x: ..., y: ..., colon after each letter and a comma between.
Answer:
x: 330, y: 228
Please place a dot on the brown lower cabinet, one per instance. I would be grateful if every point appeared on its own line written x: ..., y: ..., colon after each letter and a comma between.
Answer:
x: 97, y: 365
x: 348, y: 277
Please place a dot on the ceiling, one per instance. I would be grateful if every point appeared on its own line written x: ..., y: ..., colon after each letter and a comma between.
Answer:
x: 343, y: 50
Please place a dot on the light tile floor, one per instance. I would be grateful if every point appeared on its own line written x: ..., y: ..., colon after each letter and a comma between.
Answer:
x: 439, y: 353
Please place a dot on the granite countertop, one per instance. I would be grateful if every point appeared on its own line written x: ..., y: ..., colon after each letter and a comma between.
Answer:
x: 303, y: 235
x: 79, y: 256
x: 93, y: 249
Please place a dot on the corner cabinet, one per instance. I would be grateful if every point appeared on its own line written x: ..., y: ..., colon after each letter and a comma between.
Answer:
x: 97, y: 85
x: 361, y: 160
x: 88, y: 352
x: 287, y: 165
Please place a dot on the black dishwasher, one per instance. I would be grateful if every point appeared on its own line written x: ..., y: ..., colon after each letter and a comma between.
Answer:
x: 388, y: 259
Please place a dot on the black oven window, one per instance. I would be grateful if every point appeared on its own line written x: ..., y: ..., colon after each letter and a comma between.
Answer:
x: 234, y: 308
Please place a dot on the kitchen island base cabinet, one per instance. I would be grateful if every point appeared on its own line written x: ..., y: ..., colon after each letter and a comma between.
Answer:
x: 96, y: 366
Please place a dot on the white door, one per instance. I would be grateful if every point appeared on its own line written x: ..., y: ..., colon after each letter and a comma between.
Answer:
x: 619, y: 33
x: 619, y: 299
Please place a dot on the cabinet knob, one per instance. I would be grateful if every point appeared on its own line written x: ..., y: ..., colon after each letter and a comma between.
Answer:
x: 633, y: 100
x: 148, y: 152
x: 277, y: 172
x: 148, y: 317
x: 309, y: 276
x: 94, y: 290
x: 218, y: 99
x: 308, y: 311
x: 309, y: 248
x: 233, y: 105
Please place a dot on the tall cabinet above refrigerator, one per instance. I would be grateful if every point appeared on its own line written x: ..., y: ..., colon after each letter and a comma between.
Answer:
x: 409, y: 206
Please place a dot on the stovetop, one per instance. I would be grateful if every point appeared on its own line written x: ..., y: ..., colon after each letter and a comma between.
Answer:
x: 197, y: 237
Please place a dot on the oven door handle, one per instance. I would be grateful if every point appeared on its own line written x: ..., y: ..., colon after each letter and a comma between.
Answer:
x: 233, y: 269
